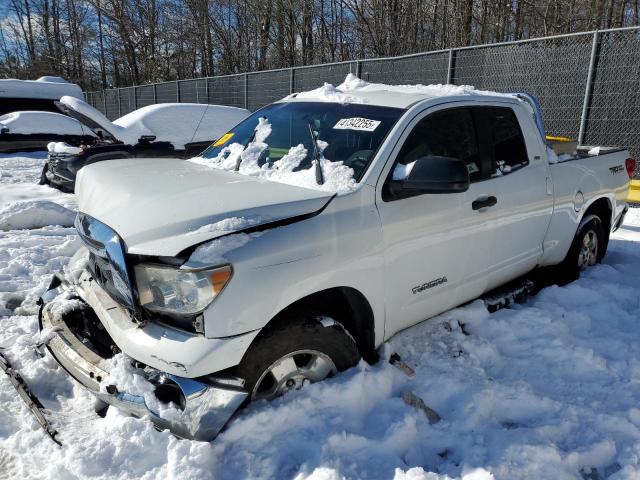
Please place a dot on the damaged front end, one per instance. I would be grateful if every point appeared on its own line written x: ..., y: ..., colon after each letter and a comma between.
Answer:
x: 73, y: 334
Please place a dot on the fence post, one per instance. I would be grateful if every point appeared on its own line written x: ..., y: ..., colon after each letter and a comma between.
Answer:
x: 104, y: 101
x: 358, y: 69
x: 119, y: 103
x: 177, y: 91
x: 291, y: 80
x: 206, y: 88
x: 135, y: 98
x: 195, y: 82
x: 155, y: 94
x: 451, y: 65
x: 588, y: 91
x: 246, y: 91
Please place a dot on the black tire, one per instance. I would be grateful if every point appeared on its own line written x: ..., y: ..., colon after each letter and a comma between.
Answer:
x: 304, y: 332
x: 574, y: 262
x: 43, y: 176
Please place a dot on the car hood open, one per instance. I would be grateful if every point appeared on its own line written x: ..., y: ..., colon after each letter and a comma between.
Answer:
x: 96, y: 121
x: 163, y: 206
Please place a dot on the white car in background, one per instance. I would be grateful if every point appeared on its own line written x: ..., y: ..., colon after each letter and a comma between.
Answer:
x: 26, y: 131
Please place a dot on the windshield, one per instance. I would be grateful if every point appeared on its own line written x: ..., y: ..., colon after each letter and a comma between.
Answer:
x: 279, y: 139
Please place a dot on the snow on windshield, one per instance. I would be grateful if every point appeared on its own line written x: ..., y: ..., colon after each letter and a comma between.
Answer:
x: 338, y: 178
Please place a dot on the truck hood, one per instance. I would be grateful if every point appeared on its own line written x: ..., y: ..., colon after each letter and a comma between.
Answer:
x: 162, y: 206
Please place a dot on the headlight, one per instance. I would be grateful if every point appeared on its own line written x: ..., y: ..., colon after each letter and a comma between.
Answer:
x: 171, y: 290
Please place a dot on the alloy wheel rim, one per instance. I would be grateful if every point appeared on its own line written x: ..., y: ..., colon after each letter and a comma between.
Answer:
x: 588, y: 254
x: 292, y: 372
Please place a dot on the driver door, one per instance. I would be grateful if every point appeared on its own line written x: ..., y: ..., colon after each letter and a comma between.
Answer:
x: 437, y: 247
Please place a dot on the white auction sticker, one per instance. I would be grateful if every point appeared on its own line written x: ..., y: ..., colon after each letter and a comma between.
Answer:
x: 356, y: 123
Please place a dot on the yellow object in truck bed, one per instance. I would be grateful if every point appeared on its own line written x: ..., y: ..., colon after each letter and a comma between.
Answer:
x: 634, y: 192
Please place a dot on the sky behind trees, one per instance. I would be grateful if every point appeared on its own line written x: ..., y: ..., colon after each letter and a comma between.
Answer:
x: 113, y: 43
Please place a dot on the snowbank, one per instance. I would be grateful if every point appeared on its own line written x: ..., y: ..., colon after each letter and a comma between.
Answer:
x: 544, y: 390
x: 34, y: 214
x: 28, y: 258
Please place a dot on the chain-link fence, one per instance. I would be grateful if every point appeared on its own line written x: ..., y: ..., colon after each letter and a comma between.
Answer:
x: 588, y: 83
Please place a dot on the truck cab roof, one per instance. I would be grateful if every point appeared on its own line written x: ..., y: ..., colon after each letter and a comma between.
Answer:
x: 355, y: 90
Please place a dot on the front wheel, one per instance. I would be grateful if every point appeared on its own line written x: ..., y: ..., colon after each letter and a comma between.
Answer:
x: 305, y: 350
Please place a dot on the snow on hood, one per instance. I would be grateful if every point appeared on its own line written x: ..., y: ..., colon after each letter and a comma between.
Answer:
x: 338, y: 178
x: 177, y: 123
x: 175, y: 197
x: 50, y: 88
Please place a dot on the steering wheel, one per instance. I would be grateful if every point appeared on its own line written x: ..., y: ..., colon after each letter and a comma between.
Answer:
x: 359, y: 159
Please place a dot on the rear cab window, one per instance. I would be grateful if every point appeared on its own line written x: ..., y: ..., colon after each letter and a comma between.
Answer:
x: 506, y: 144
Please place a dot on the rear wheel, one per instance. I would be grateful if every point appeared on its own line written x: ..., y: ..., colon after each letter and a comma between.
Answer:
x: 587, y: 249
x: 287, y: 357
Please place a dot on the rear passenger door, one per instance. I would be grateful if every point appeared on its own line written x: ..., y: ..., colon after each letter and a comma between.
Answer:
x: 519, y: 180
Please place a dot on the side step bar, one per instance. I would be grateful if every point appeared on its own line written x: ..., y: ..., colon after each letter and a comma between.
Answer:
x: 36, y: 407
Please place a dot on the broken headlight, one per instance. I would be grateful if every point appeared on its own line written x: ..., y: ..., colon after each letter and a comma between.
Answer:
x: 174, y: 291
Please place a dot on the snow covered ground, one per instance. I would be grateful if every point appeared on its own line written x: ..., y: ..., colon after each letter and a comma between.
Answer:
x: 545, y: 390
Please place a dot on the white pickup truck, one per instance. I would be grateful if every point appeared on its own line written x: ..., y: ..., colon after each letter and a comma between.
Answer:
x: 308, y: 235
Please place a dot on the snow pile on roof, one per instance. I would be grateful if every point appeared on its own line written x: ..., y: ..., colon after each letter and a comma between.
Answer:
x: 50, y: 88
x: 31, y: 214
x: 338, y: 178
x: 28, y: 122
x: 356, y: 90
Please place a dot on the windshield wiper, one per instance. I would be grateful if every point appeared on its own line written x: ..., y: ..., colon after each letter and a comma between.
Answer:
x: 316, y: 156
x: 246, y: 145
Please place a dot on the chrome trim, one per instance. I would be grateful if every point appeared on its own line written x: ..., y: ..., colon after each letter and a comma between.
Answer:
x: 207, y: 408
x: 105, y: 243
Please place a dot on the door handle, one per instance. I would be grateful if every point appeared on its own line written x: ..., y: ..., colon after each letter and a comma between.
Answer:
x: 484, y: 202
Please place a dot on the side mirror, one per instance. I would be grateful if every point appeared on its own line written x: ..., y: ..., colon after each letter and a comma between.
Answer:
x: 431, y: 174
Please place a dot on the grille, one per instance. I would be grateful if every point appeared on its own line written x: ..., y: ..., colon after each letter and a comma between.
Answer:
x: 107, y: 260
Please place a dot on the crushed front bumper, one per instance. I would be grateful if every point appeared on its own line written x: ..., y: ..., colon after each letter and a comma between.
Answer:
x: 205, y: 408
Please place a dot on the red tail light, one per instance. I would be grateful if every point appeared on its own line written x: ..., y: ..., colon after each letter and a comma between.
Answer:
x: 630, y: 164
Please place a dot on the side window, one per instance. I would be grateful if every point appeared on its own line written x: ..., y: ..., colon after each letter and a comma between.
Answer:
x: 447, y: 133
x: 507, y: 145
